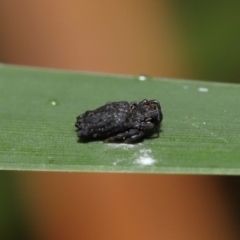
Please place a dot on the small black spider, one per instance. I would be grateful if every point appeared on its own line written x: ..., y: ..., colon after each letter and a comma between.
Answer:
x: 120, y: 121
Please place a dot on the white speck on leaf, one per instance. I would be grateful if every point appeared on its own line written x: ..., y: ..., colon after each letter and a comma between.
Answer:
x: 145, y: 159
x: 124, y: 146
x: 142, y: 78
x: 202, y: 89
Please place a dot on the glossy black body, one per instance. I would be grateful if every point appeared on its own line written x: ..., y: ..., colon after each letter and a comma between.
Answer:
x: 120, y: 121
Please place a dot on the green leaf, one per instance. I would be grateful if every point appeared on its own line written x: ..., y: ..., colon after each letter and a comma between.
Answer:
x: 200, y: 130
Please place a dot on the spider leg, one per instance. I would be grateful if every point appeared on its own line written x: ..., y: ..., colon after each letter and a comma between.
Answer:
x: 153, y: 114
x: 135, y: 138
x: 146, y: 125
x: 122, y: 136
x: 149, y: 128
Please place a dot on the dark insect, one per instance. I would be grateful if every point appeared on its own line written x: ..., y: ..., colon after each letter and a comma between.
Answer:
x: 120, y: 122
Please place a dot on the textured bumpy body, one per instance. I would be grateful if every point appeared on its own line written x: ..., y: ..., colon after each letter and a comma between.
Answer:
x: 120, y: 121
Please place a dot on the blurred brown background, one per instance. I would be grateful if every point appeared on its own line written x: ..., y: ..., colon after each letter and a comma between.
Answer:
x: 188, y: 39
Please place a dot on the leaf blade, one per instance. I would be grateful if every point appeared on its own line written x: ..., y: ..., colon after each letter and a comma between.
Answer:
x: 200, y: 130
